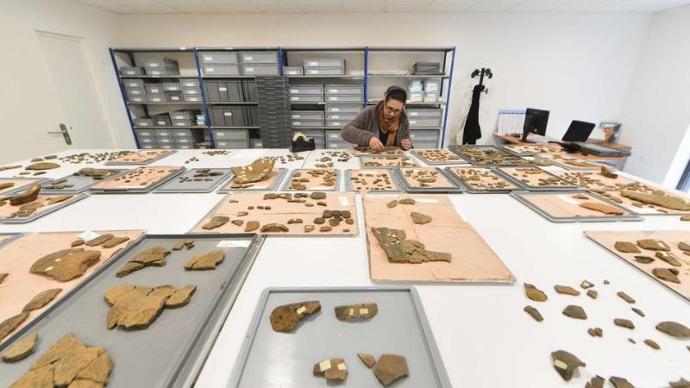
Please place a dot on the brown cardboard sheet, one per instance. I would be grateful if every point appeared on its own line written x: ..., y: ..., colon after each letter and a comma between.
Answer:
x: 472, y: 258
x: 7, y: 210
x: 17, y: 257
x: 280, y: 212
x: 261, y: 185
x: 374, y: 180
x: 139, y: 178
x: 320, y: 179
x: 411, y: 176
x: 535, y: 177
x: 16, y: 183
x: 380, y: 161
x: 141, y: 157
x: 611, y: 189
x: 481, y: 179
x: 437, y: 155
x: 607, y: 239
x: 566, y: 205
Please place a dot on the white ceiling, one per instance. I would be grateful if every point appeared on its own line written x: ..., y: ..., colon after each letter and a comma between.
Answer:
x: 375, y: 6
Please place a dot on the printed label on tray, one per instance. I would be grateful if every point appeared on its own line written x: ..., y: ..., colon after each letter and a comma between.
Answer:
x: 566, y: 198
x: 88, y: 235
x: 426, y: 200
x: 233, y: 244
x: 343, y: 201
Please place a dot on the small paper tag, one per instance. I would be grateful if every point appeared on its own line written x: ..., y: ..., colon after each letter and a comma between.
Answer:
x: 560, y: 364
x: 566, y: 198
x: 363, y: 311
x: 89, y: 235
x: 342, y: 366
x: 301, y: 310
x: 351, y: 312
x: 343, y: 201
x: 233, y: 244
x: 325, y: 365
x: 426, y: 200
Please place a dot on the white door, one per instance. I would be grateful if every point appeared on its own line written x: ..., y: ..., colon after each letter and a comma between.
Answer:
x: 72, y: 78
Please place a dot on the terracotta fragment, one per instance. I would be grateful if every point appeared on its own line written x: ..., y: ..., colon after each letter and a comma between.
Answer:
x: 586, y: 285
x: 41, y: 299
x: 602, y: 208
x: 638, y: 311
x: 181, y: 297
x: 76, y: 243
x: 669, y: 258
x: 392, y: 204
x: 632, y: 341
x: 534, y: 293
x: 683, y: 246
x: 136, y: 309
x: 29, y: 195
x: 652, y: 344
x: 12, y: 323
x: 390, y: 368
x: 596, y: 382
x: 608, y: 173
x: 361, y: 311
x: 21, y: 349
x: 653, y: 245
x: 308, y: 228
x: 3, y: 275
x: 407, y: 201
x: 566, y: 364
x: 206, y: 261
x: 285, y: 318
x: 334, y: 369
x: 259, y: 170
x: 216, y: 222
x: 149, y: 257
x: 626, y: 323
x: 667, y: 274
x: 658, y: 198
x: 575, y: 311
x: 674, y: 329
x: 367, y: 359
x: 626, y: 247
x: 317, y: 195
x: 400, y: 250
x: 115, y: 241
x: 644, y: 259
x: 251, y: 226
x: 534, y: 313
x: 625, y: 297
x: 682, y: 383
x: 66, y: 264
x: 274, y: 228
x: 620, y: 382
x: 566, y: 290
x: 419, y: 218
x: 592, y: 294
x: 99, y: 240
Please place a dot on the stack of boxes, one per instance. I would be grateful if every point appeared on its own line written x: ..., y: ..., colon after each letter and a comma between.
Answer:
x: 426, y: 90
x: 186, y: 90
x: 248, y: 63
x: 425, y: 124
x: 152, y: 66
x: 325, y: 66
x: 343, y: 102
x: 310, y: 94
x: 230, y: 91
x: 160, y: 131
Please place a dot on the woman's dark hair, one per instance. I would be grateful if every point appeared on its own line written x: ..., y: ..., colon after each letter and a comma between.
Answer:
x: 396, y: 93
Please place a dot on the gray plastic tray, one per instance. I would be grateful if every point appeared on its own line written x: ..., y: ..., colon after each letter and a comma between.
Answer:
x: 23, y: 187
x: 272, y: 359
x: 456, y: 149
x: 116, y: 163
x: 138, y: 190
x: 527, y: 187
x: 363, y: 167
x: 394, y: 178
x: 79, y: 183
x: 286, y: 185
x: 470, y: 189
x: 10, y: 237
x: 275, y: 185
x: 519, y: 195
x: 43, y: 211
x: 455, y: 189
x: 175, y: 186
x: 172, y: 350
x: 433, y: 163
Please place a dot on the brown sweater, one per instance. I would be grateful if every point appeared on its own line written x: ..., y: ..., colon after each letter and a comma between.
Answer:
x: 366, y: 125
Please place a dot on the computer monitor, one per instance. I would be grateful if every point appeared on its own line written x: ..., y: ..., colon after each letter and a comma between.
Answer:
x: 535, y: 122
x: 578, y: 131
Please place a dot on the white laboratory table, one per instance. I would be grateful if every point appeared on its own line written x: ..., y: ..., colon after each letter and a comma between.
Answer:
x: 484, y: 337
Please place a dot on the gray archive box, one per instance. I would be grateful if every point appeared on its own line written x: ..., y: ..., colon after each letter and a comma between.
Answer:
x: 249, y: 92
x: 162, y: 71
x: 306, y: 123
x: 181, y: 133
x: 132, y: 70
x: 182, y: 122
x: 156, y: 98
x: 307, y: 115
x: 181, y: 115
x: 259, y: 57
x: 425, y: 138
x: 231, y: 134
x: 136, y: 98
x: 133, y: 83
x: 191, y: 90
x: 306, y: 90
x: 220, y: 69
x: 218, y: 57
x: 160, y: 62
x: 171, y: 86
x: 307, y: 98
x: 344, y: 109
x: 334, y: 140
x: 337, y: 116
x: 145, y: 132
x: 293, y: 70
x: 189, y: 82
x: 344, y: 98
x: 175, y: 96
x: 256, y: 143
x: 221, y: 91
x: 260, y: 69
x: 324, y: 62
x: 344, y: 90
x: 432, y: 85
x: 135, y: 91
x: 423, y: 113
x: 324, y: 71
x: 336, y: 123
x: 154, y: 88
x: 143, y: 122
x: 424, y: 122
x: 161, y: 120
x: 192, y: 97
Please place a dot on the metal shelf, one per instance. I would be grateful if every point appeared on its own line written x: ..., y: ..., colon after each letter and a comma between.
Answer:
x: 233, y: 103
x: 345, y: 76
x: 167, y: 103
x: 185, y: 127
x: 235, y: 127
x: 157, y: 76
x: 301, y: 128
x: 415, y: 103
x: 228, y: 76
x: 408, y: 76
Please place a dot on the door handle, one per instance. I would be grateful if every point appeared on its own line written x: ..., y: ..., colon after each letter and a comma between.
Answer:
x: 63, y: 132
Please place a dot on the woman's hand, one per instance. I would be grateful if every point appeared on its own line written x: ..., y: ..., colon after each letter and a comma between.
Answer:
x: 406, y: 144
x: 375, y: 144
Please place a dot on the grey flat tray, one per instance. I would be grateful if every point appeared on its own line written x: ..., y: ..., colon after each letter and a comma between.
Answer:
x: 286, y: 184
x: 191, y: 186
x: 275, y: 185
x: 24, y: 186
x: 115, y: 163
x: 516, y: 153
x: 456, y: 149
x: 433, y: 163
x: 394, y: 179
x: 455, y: 189
x: 138, y: 190
x: 363, y: 167
x: 527, y: 187
x: 42, y: 211
x: 470, y: 189
x: 272, y: 359
x: 519, y: 195
x: 171, y: 351
x: 79, y: 183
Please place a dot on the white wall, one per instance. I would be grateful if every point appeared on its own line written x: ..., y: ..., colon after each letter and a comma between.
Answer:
x: 656, y: 111
x: 576, y: 65
x: 29, y: 104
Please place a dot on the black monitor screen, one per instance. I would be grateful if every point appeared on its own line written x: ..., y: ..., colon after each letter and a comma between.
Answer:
x: 535, y: 122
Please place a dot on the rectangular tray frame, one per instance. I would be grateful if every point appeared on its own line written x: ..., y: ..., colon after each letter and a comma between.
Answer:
x: 518, y: 196
x: 78, y: 189
x: 23, y: 187
x: 347, y: 174
x: 363, y: 167
x: 286, y: 184
x: 460, y: 162
x: 148, y: 189
x: 114, y: 163
x: 422, y: 190
x: 470, y: 190
x: 277, y: 182
x: 524, y: 186
x: 200, y: 346
x: 444, y: 381
x: 38, y: 214
x: 214, y: 185
x: 456, y: 149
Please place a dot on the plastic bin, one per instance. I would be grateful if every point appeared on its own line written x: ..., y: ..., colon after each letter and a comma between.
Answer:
x: 324, y: 62
x: 131, y: 70
x: 220, y: 69
x: 259, y: 57
x: 260, y: 69
x: 306, y: 90
x: 218, y: 57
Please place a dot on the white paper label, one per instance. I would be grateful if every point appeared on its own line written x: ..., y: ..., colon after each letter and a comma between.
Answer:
x: 294, y: 91
x: 335, y: 109
x: 222, y: 89
x: 174, y: 98
x: 343, y: 201
x: 342, y: 366
x: 363, y: 311
x: 227, y: 114
x: 333, y: 90
x: 301, y: 310
x: 248, y: 58
x: 414, y: 113
x: 313, y: 63
x: 153, y: 65
x: 297, y: 122
x: 426, y: 200
x: 155, y: 90
x: 325, y: 365
x: 88, y: 235
x: 233, y: 244
x: 249, y: 69
x: 566, y: 198
x: 335, y: 117
x: 208, y: 58
x: 210, y: 69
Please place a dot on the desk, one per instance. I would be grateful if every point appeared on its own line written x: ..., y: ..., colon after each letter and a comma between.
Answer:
x: 617, y: 161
